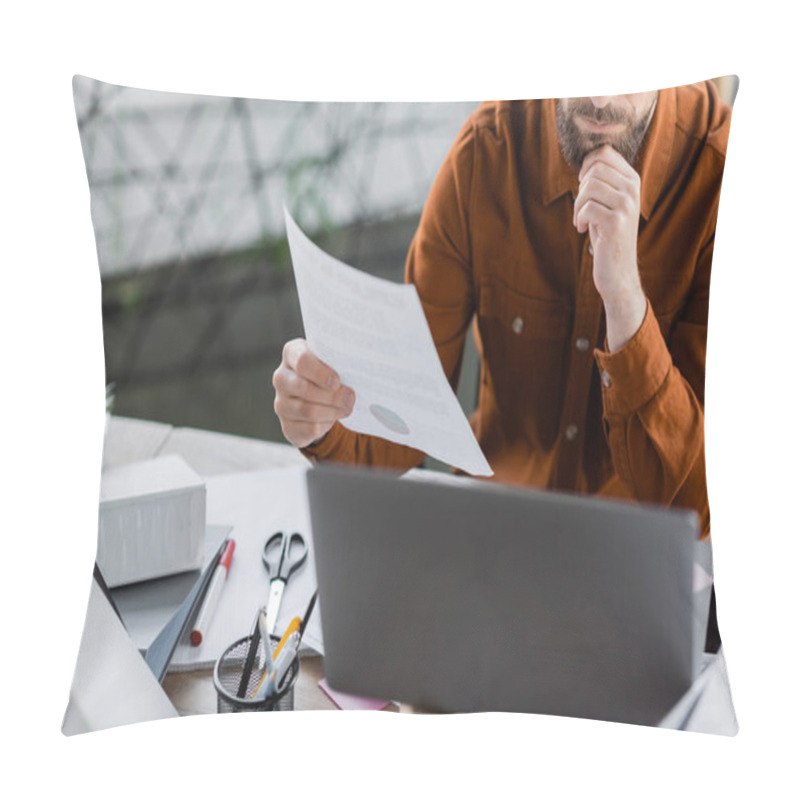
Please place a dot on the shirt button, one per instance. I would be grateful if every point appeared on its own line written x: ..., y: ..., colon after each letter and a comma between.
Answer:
x: 582, y: 344
x: 591, y: 249
x: 606, y: 379
x: 517, y: 325
x: 571, y: 432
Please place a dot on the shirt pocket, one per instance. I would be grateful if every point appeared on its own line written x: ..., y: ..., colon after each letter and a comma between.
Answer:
x: 525, y: 342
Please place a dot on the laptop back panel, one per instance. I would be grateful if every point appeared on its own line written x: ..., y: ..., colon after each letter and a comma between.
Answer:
x: 500, y: 599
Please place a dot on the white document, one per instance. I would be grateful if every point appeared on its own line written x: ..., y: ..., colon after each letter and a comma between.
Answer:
x: 112, y: 684
x: 257, y: 504
x: 707, y: 706
x: 374, y: 334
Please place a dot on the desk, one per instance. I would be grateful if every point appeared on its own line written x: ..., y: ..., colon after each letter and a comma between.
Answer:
x: 209, y: 454
x: 706, y: 707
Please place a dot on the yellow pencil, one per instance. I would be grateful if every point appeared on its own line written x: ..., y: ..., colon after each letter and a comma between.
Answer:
x: 293, y: 626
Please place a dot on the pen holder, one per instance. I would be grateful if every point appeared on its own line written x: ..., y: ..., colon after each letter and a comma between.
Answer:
x: 233, y: 693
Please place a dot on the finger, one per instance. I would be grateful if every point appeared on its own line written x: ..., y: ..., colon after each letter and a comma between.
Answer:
x: 294, y: 410
x: 597, y: 191
x: 593, y: 213
x: 288, y: 383
x: 601, y: 171
x: 297, y: 356
x: 302, y: 434
x: 606, y: 155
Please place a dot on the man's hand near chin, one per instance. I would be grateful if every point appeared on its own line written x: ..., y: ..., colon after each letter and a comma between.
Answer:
x: 607, y: 206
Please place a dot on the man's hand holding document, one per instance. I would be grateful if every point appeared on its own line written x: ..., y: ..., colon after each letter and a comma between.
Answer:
x: 374, y: 334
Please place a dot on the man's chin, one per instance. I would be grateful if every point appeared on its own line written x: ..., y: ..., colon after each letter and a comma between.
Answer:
x: 621, y: 145
x: 591, y: 144
x: 595, y: 140
x: 576, y: 144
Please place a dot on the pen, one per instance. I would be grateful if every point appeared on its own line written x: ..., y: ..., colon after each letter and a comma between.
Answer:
x: 266, y: 685
x: 262, y: 629
x: 285, y: 653
x: 213, y: 594
x: 283, y: 661
x: 252, y: 649
x: 278, y: 669
x: 307, y: 615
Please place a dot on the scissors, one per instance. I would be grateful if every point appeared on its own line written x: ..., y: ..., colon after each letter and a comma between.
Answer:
x: 282, y: 556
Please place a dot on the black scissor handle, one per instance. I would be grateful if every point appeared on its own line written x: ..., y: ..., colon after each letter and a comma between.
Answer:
x: 292, y: 559
x: 288, y: 560
x: 273, y: 556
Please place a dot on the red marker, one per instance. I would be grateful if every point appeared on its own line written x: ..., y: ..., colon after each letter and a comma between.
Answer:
x: 213, y: 594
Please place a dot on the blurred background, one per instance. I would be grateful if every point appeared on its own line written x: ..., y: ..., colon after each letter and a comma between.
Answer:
x: 198, y: 295
x: 187, y: 195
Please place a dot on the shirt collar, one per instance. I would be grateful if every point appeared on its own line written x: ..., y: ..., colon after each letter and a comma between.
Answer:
x: 652, y: 163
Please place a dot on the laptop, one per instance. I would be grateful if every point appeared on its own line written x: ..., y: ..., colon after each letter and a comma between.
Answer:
x: 465, y: 596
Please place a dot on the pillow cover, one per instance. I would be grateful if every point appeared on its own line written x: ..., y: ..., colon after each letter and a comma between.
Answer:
x: 508, y: 217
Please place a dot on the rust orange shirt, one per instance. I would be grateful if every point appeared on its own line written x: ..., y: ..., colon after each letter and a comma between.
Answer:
x: 496, y: 245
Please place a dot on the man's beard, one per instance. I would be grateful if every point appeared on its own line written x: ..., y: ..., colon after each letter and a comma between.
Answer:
x: 575, y: 144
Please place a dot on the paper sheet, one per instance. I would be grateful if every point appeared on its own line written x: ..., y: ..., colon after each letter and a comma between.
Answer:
x: 256, y: 504
x: 352, y: 702
x: 374, y: 334
x: 707, y: 707
x: 112, y: 684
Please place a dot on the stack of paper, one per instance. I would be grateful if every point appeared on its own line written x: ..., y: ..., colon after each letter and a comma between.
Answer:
x: 152, y: 520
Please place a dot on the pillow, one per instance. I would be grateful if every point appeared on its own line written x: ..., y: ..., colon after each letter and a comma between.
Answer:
x: 584, y: 370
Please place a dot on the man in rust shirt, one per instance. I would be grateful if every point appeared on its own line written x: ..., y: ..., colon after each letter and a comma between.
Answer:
x: 579, y: 233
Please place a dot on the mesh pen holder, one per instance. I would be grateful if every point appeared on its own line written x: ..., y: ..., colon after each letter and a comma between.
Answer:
x: 232, y: 697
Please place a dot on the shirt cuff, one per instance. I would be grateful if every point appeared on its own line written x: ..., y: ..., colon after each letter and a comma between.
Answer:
x: 326, y: 446
x: 632, y: 375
